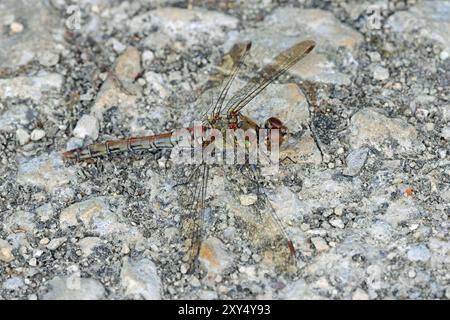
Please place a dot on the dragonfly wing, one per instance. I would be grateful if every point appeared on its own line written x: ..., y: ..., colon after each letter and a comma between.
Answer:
x: 265, y: 228
x: 281, y: 63
x: 235, y: 70
x: 239, y: 53
x: 193, y: 220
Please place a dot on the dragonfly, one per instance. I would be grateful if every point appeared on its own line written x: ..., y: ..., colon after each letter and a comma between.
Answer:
x: 224, y: 114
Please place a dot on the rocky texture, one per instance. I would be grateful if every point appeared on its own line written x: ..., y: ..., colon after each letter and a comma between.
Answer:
x: 119, y: 89
x: 46, y: 172
x: 362, y: 190
x: 390, y: 136
x: 95, y: 215
x: 140, y: 279
x: 31, y: 87
x: 428, y: 19
x: 27, y: 40
x: 287, y: 26
x: 74, y: 288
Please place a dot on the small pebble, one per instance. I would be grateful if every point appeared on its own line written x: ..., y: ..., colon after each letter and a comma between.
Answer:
x: 147, y: 57
x: 445, y: 133
x: 37, y: 134
x: 195, y: 282
x: 337, y: 223
x: 419, y: 253
x: 444, y: 55
x: 360, y: 294
x: 49, y: 59
x: 56, y: 243
x: 87, y: 126
x: 16, y: 27
x: 320, y: 244
x: 44, y: 241
x: 32, y: 262
x: 5, y: 251
x: 118, y: 47
x: 326, y: 158
x: 304, y: 227
x: 355, y: 161
x: 380, y: 73
x: 248, y: 199
x: 22, y: 136
x: 374, y: 56
x: 338, y: 211
x: 397, y: 86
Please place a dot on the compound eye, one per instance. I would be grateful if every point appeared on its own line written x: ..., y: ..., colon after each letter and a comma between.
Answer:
x: 274, y: 123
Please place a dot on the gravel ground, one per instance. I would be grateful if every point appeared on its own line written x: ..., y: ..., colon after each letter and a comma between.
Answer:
x: 366, y: 202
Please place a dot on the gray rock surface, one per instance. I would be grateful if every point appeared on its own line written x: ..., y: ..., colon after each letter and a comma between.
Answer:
x: 73, y: 288
x: 361, y: 192
x: 140, y: 279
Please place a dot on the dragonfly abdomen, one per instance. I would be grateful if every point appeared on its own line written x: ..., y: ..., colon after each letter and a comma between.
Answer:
x: 160, y: 141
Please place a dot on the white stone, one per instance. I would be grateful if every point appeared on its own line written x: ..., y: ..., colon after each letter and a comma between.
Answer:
x: 16, y: 27
x: 355, y: 161
x: 118, y: 46
x: 445, y: 133
x: 48, y: 59
x: 19, y: 219
x: 5, y: 251
x: 380, y: 73
x: 147, y: 57
x: 22, y: 136
x: 45, y: 212
x: 248, y: 199
x: 13, y: 283
x: 360, y: 294
x: 56, y: 243
x: 37, y: 134
x: 298, y: 290
x: 400, y: 211
x: 374, y: 56
x: 337, y: 223
x: 44, y: 241
x: 285, y: 27
x: 88, y: 244
x: 87, y: 126
x: 32, y: 262
x: 426, y: 19
x: 120, y: 90
x: 140, y: 279
x: 444, y: 55
x: 320, y: 244
x: 69, y: 288
x: 419, y: 253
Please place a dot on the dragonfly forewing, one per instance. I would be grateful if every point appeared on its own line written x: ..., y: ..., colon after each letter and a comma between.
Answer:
x: 280, y: 64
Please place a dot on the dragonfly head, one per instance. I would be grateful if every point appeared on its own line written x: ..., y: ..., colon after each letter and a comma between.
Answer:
x: 276, y: 124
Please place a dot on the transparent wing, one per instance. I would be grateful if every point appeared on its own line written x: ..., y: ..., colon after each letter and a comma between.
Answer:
x: 265, y: 229
x: 235, y: 70
x: 281, y: 63
x: 239, y: 53
x: 193, y: 218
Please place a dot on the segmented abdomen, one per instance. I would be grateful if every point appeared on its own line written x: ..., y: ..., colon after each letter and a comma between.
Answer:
x: 160, y: 141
